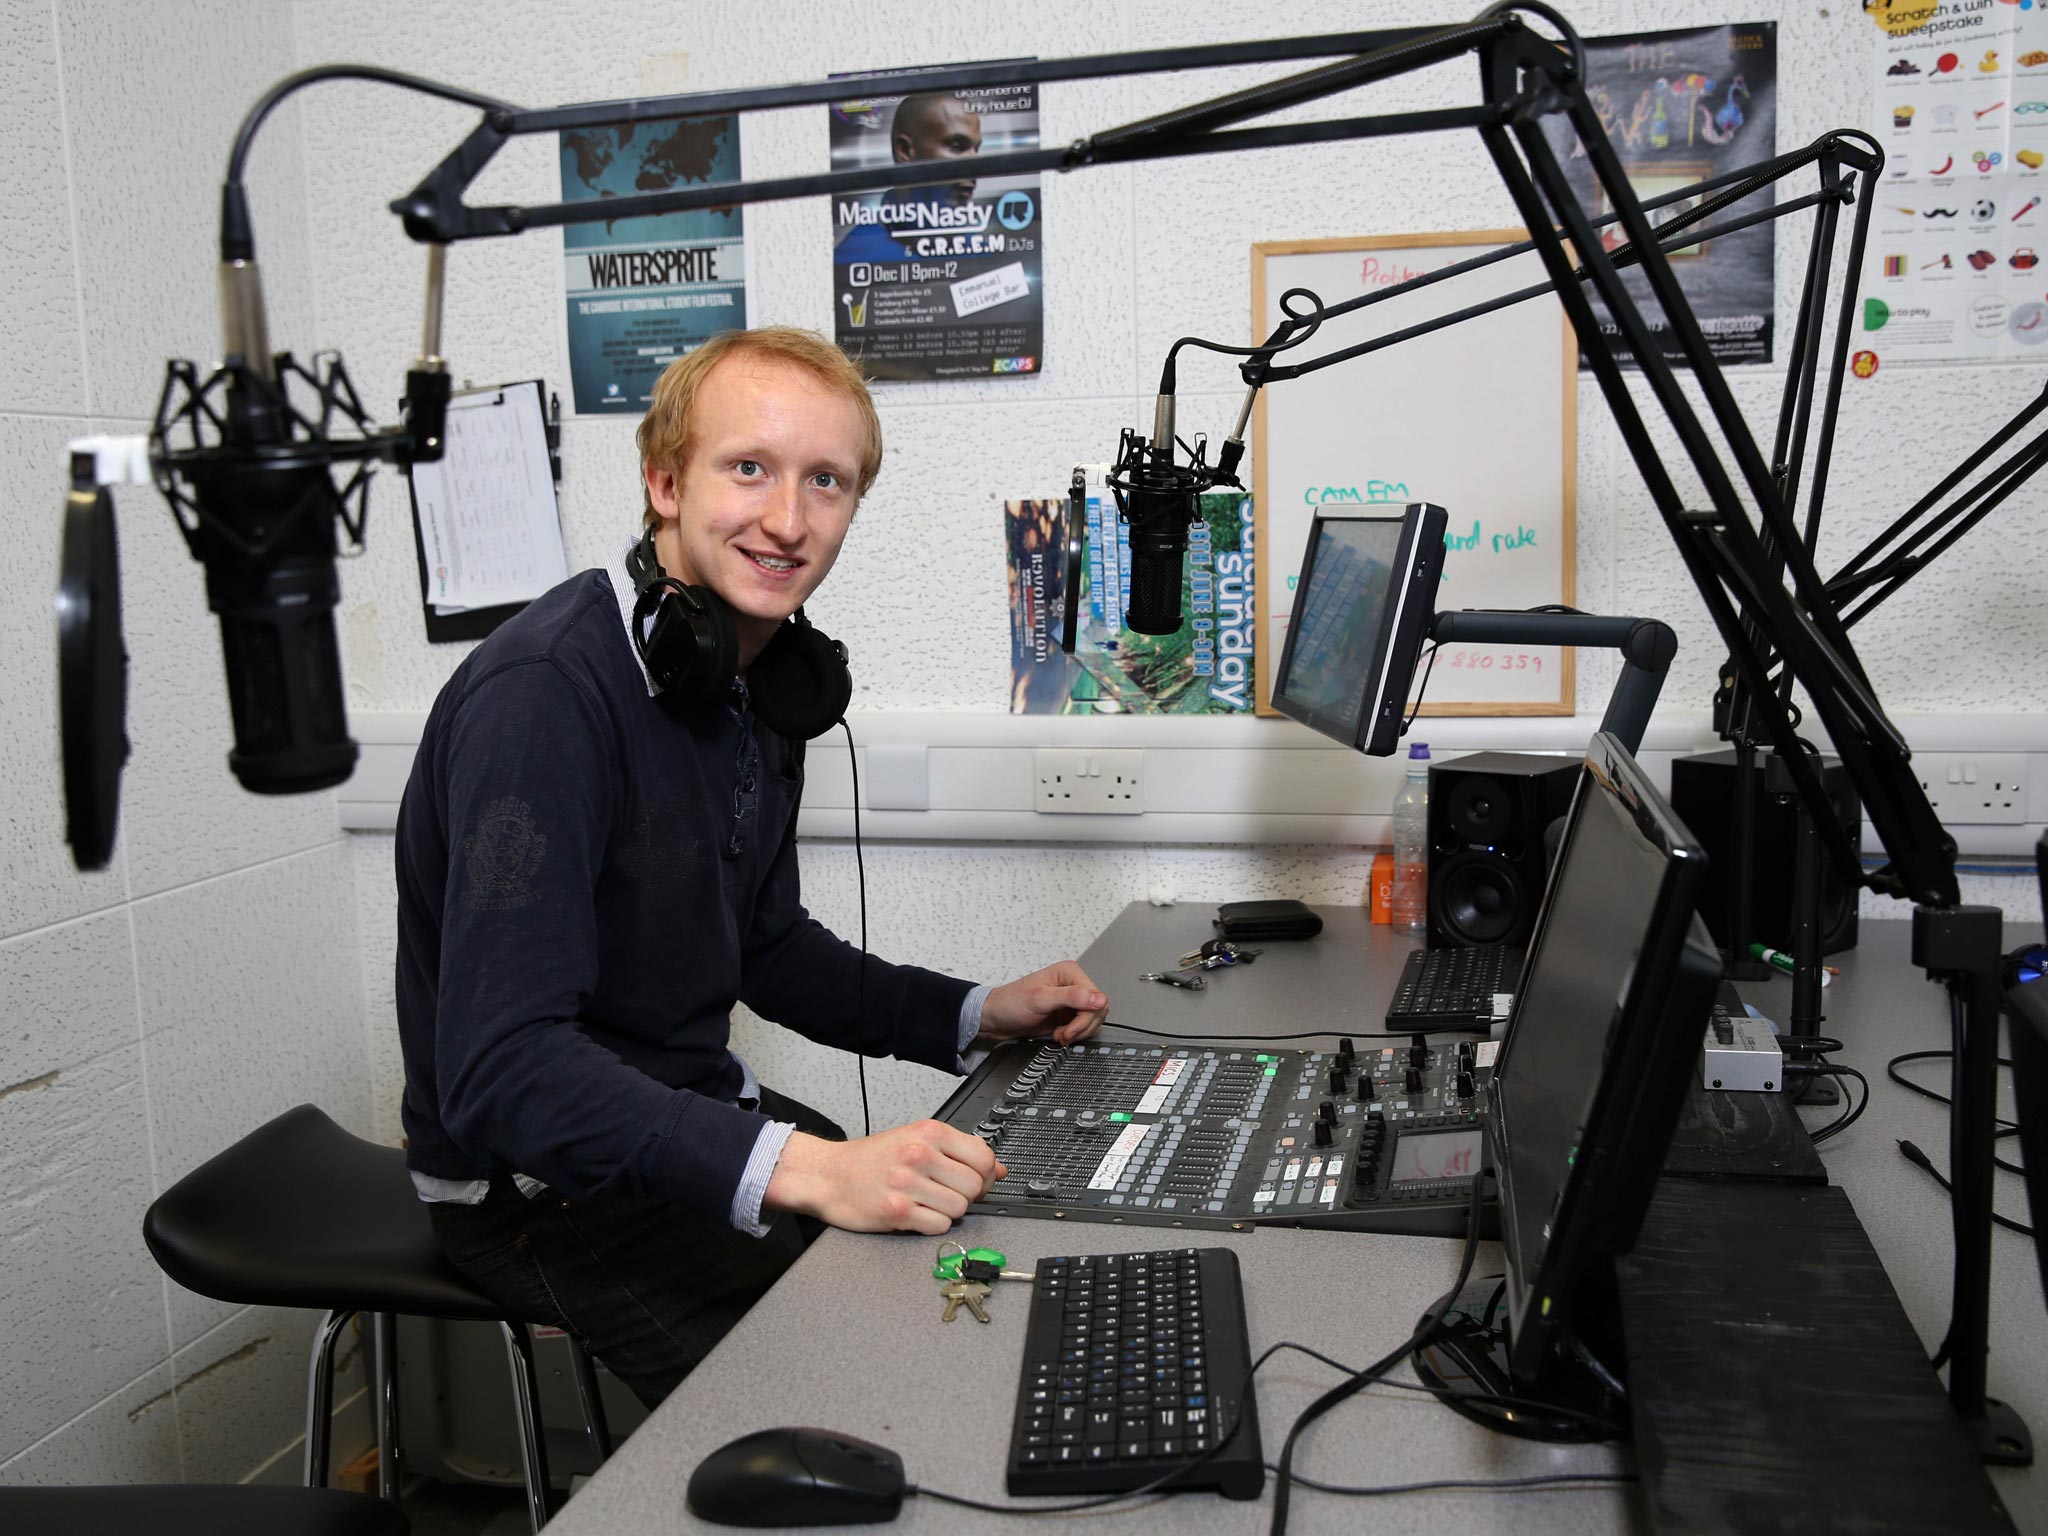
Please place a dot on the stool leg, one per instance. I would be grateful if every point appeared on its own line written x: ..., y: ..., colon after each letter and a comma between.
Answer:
x: 384, y: 1330
x: 526, y: 1400
x: 594, y: 1424
x: 320, y: 1397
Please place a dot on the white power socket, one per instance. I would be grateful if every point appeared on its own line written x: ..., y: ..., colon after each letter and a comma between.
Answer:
x: 1086, y: 782
x: 1975, y: 788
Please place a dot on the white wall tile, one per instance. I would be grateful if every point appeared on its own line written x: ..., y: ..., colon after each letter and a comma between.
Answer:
x: 41, y: 358
x: 376, y: 895
x: 251, y: 1004
x: 154, y: 95
x: 85, y: 1305
x: 130, y: 1436
x: 241, y: 1391
x: 38, y: 882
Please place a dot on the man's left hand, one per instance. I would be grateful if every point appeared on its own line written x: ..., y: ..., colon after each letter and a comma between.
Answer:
x: 1059, y: 1001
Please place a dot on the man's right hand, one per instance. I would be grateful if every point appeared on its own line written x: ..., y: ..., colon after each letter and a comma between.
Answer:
x: 916, y: 1178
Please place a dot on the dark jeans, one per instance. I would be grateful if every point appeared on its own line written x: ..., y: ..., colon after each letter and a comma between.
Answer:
x: 648, y: 1286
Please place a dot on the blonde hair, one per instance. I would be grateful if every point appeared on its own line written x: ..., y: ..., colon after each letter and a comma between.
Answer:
x: 665, y: 431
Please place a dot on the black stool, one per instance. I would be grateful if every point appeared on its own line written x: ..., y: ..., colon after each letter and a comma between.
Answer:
x: 185, y: 1509
x: 300, y: 1213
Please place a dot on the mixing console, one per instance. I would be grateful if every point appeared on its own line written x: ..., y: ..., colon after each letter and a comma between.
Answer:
x: 1211, y: 1134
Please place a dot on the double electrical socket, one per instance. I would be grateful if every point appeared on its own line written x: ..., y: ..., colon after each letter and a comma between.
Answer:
x: 1087, y: 782
x: 1975, y: 788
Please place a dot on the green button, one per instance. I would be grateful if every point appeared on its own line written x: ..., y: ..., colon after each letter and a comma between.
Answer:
x: 1272, y: 1071
x: 1265, y: 1058
x: 1119, y: 1115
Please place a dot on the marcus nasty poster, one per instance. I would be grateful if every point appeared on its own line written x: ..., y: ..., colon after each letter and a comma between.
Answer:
x: 942, y: 281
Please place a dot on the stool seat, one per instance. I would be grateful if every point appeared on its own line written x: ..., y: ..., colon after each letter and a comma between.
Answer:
x: 302, y: 1213
x: 184, y: 1509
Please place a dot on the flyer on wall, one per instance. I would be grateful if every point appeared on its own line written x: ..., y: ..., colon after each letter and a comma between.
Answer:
x: 1204, y: 669
x: 944, y: 281
x: 1680, y: 107
x: 639, y: 293
x: 1954, y: 271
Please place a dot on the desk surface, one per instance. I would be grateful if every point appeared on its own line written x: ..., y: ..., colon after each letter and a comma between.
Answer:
x: 851, y: 1338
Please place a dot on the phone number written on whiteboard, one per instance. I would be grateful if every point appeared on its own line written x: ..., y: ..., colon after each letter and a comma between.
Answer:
x: 1472, y: 660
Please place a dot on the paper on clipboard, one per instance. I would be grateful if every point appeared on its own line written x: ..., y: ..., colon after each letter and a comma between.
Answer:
x: 489, y: 528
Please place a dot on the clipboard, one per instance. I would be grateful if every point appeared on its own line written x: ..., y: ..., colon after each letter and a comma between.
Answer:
x: 476, y: 623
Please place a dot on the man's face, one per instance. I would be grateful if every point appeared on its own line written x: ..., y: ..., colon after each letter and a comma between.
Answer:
x: 760, y: 509
x: 944, y: 130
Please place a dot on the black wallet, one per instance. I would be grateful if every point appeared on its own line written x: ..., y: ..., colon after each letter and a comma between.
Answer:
x: 1255, y: 921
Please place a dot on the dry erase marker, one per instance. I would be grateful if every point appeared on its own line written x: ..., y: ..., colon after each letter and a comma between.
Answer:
x: 1777, y: 959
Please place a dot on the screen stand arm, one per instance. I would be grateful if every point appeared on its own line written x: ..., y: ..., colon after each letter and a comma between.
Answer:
x: 1646, y: 646
x: 1959, y: 946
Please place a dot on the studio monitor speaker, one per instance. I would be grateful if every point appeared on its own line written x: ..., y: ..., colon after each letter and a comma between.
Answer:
x: 1703, y: 794
x: 1487, y: 858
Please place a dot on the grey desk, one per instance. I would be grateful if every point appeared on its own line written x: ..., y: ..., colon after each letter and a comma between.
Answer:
x: 851, y: 1338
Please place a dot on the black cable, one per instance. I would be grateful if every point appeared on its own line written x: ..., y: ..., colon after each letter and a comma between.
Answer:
x: 1431, y: 1326
x: 1428, y: 666
x: 1920, y: 1159
x: 1545, y: 1480
x: 1305, y: 1034
x: 371, y: 72
x: 860, y: 993
x: 1607, y: 1427
x: 1850, y: 1113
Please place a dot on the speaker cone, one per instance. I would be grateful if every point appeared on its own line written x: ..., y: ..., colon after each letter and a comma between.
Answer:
x: 1478, y: 899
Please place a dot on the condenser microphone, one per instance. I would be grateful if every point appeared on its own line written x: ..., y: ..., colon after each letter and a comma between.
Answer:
x: 258, y: 505
x: 1160, y: 502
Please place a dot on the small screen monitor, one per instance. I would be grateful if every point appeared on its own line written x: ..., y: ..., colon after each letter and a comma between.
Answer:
x: 1600, y: 1047
x: 1362, y: 608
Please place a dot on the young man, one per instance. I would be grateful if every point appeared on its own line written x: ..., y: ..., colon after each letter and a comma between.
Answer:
x: 592, y: 871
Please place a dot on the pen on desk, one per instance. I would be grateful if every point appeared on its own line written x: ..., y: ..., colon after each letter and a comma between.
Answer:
x: 1777, y: 959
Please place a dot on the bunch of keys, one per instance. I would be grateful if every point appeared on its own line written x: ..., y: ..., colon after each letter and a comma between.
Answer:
x: 1215, y: 952
x: 968, y: 1276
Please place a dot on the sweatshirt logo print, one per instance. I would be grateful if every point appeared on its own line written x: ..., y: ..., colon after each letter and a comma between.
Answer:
x: 503, y: 854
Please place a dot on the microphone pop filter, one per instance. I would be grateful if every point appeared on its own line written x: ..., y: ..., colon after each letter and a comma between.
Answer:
x: 92, y: 670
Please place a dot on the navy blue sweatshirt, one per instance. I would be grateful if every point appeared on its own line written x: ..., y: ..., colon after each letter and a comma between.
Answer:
x: 588, y: 878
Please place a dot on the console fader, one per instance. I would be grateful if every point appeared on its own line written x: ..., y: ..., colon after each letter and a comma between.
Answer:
x: 1222, y: 1135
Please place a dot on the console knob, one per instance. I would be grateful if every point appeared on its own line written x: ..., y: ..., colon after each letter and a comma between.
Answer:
x: 1365, y: 1088
x: 1326, y: 1112
x: 1045, y: 1189
x: 1466, y: 1086
x: 1325, y: 1133
x: 1346, y: 1051
x: 1413, y: 1080
x: 1337, y: 1077
x: 1002, y: 1111
x: 1418, y: 1051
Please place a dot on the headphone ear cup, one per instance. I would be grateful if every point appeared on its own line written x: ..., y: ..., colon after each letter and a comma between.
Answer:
x: 799, y: 683
x: 692, y: 650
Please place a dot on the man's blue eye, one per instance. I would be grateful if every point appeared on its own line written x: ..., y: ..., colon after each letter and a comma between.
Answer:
x: 748, y: 467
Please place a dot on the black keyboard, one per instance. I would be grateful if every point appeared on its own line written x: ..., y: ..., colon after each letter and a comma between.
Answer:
x: 1447, y: 988
x: 1136, y: 1364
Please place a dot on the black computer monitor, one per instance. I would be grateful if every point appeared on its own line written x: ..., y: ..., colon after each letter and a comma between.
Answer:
x: 1599, y: 1049
x: 1362, y: 608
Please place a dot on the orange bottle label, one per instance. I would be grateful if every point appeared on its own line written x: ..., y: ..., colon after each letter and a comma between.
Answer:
x: 1381, y: 888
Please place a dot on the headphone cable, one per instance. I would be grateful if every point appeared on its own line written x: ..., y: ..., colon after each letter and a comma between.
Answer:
x: 860, y: 989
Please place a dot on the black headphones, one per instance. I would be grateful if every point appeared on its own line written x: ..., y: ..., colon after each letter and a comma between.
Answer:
x: 799, y: 684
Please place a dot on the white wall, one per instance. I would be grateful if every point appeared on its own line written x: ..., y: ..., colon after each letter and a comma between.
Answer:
x: 1134, y: 259
x: 208, y: 978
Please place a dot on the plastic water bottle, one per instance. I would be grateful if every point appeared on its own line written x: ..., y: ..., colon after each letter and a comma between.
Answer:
x: 1411, y: 846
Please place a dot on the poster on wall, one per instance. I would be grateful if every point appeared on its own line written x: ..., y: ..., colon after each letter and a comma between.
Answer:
x: 944, y: 281
x: 639, y: 293
x: 1681, y: 107
x: 1954, y: 270
x: 1205, y: 669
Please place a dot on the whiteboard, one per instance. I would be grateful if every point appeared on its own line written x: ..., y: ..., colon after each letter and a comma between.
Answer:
x: 1479, y: 418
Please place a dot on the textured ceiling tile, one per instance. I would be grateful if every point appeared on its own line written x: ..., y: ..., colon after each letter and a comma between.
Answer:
x: 41, y: 356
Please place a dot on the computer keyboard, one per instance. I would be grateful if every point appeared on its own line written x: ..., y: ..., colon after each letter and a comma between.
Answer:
x: 1447, y: 988
x: 1135, y: 1364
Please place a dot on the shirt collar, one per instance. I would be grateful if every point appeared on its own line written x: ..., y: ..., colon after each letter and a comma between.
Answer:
x: 627, y: 595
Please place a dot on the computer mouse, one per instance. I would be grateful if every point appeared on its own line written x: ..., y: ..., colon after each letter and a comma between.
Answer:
x: 794, y: 1476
